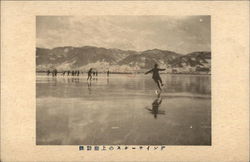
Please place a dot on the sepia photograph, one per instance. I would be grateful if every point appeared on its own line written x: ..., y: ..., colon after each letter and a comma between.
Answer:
x: 123, y: 80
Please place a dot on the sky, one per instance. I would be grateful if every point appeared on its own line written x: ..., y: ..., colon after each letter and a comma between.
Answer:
x: 181, y: 34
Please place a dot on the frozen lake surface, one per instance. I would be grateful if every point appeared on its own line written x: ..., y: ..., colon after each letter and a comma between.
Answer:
x: 123, y: 110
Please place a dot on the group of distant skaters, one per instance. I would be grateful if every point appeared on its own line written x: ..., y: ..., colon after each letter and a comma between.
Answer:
x: 53, y: 72
x: 72, y: 73
x: 94, y: 73
x: 155, y: 71
x: 91, y: 73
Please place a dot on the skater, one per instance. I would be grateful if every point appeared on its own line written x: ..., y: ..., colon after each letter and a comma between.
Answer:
x: 156, y: 76
x: 89, y: 74
x: 48, y: 72
x: 54, y: 72
x: 108, y: 73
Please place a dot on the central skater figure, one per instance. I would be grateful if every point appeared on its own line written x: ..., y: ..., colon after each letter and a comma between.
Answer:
x: 156, y: 76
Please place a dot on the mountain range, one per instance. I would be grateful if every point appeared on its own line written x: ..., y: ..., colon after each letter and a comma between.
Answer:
x: 102, y: 59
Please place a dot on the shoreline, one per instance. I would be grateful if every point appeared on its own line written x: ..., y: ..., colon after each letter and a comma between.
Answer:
x: 130, y: 73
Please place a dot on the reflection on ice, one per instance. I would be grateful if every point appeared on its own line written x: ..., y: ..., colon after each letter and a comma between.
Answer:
x: 155, y: 106
x: 118, y: 110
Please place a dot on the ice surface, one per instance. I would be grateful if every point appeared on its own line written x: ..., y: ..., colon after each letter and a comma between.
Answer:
x: 123, y: 109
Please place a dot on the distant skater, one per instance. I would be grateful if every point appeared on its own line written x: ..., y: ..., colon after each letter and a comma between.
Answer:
x: 89, y: 74
x: 156, y: 76
x: 108, y: 73
x: 54, y: 73
x: 48, y: 72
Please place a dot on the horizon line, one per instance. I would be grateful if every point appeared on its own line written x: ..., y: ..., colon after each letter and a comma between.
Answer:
x: 124, y: 49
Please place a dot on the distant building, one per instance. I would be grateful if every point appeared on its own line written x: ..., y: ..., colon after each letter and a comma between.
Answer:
x: 202, y: 69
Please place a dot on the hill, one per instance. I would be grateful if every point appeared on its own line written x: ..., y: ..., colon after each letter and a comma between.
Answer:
x: 148, y: 58
x: 193, y: 59
x: 116, y: 60
x: 77, y: 57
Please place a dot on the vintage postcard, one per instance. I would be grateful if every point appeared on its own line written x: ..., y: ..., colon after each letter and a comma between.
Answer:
x: 124, y: 81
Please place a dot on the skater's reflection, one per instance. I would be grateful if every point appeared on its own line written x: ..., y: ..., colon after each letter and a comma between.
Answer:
x: 76, y: 80
x: 69, y: 80
x: 155, y: 106
x: 54, y: 81
x: 107, y: 80
x: 89, y: 87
